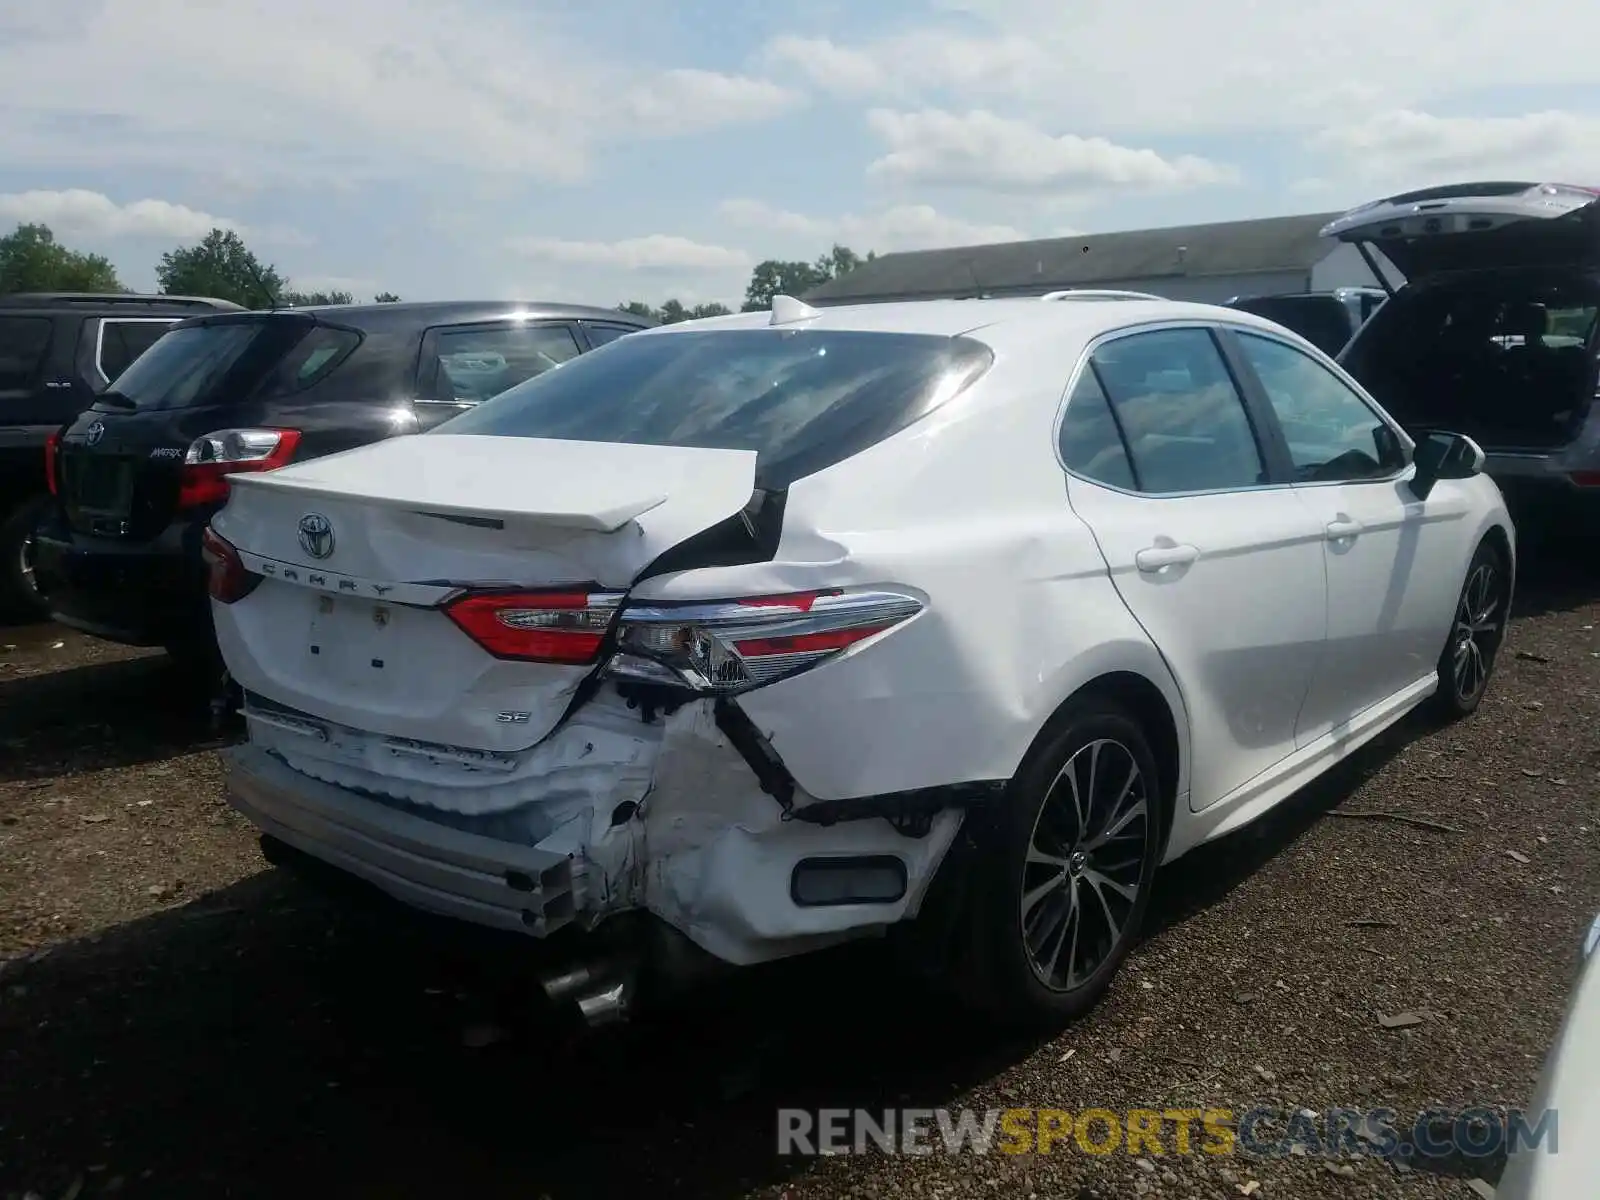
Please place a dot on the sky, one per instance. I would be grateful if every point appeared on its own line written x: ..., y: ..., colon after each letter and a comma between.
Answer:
x: 613, y: 150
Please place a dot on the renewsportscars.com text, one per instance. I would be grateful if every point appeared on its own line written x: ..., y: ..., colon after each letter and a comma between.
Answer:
x: 1264, y: 1131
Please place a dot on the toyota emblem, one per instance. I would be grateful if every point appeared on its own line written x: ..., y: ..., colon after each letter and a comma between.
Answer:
x: 93, y: 434
x: 316, y: 535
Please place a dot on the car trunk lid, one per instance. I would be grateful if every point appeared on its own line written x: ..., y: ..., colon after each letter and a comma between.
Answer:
x: 359, y: 551
x: 1477, y: 226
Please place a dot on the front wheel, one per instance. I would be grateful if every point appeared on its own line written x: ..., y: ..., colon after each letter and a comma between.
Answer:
x: 1067, y: 875
x: 1476, y: 633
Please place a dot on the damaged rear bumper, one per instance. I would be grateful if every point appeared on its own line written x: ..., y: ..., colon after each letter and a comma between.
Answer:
x: 689, y: 832
x: 420, y: 862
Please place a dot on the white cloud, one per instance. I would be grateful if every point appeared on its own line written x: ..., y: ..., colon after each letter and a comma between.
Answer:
x: 380, y: 88
x: 687, y: 101
x: 656, y: 252
x: 1227, y: 65
x: 1417, y: 148
x: 76, y: 212
x: 900, y: 227
x: 982, y: 150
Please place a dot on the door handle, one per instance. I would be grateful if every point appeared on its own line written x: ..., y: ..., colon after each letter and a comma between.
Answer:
x: 1156, y: 558
x: 1343, y: 529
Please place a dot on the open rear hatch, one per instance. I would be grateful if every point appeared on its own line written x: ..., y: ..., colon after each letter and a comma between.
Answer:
x: 363, y: 559
x: 1493, y: 336
x: 1475, y: 226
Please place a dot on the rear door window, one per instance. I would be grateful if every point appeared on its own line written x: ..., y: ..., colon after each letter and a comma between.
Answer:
x: 1185, y: 423
x: 599, y: 335
x: 120, y: 342
x: 312, y: 359
x: 801, y: 399
x: 471, y: 363
x: 23, y: 343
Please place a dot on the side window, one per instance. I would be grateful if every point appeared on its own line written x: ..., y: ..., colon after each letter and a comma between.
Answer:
x: 1333, y: 434
x: 1091, y: 444
x: 599, y: 335
x: 481, y: 362
x: 313, y: 358
x: 1185, y: 423
x: 123, y: 341
x: 23, y: 342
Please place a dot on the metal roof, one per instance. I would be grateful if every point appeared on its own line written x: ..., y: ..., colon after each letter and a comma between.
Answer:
x: 1223, y: 248
x: 415, y: 314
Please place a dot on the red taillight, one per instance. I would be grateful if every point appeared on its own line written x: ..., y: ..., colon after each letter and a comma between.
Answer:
x: 734, y: 645
x: 809, y: 643
x: 52, y: 468
x: 566, y: 627
x: 212, y: 458
x: 227, y: 578
x: 1585, y: 478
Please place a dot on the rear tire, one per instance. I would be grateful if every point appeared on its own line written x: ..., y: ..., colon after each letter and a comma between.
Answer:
x: 19, y: 594
x: 1065, y: 875
x: 1477, y: 630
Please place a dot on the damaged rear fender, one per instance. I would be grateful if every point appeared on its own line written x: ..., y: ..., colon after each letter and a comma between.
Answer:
x: 716, y: 854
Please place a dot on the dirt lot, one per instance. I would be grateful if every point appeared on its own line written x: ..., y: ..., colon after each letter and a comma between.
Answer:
x: 179, y: 1020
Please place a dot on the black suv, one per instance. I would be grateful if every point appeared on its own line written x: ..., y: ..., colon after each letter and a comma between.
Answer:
x: 139, y: 475
x: 1328, y: 320
x: 58, y: 350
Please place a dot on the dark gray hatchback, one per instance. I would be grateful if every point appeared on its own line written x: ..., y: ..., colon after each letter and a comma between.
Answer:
x: 138, y: 476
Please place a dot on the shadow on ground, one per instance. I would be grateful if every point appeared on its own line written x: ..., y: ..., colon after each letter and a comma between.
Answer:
x: 267, y: 1040
x: 101, y: 715
x: 261, y: 1042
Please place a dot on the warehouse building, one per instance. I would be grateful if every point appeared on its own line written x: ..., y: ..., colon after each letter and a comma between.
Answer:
x: 1207, y: 263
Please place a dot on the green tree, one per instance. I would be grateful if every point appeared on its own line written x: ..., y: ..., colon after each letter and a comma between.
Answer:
x: 775, y: 277
x: 221, y: 266
x: 386, y: 298
x: 31, y: 260
x: 674, y: 311
x: 301, y: 299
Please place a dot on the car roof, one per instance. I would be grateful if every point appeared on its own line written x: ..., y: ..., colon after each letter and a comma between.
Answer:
x: 418, y: 313
x: 990, y: 321
x: 112, y: 304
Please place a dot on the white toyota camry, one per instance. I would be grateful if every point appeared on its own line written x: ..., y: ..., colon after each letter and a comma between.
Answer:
x: 788, y: 627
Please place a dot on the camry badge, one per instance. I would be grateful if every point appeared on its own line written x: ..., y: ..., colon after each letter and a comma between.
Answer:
x: 93, y: 434
x: 316, y: 535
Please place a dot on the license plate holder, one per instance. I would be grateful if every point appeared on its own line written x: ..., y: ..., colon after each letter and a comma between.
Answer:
x: 102, y: 488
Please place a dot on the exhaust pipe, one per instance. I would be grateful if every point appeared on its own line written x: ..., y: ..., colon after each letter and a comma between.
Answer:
x: 563, y: 985
x: 602, y: 989
x: 607, y: 1006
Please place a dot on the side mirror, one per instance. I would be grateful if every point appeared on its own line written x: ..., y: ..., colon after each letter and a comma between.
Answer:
x: 1442, y: 455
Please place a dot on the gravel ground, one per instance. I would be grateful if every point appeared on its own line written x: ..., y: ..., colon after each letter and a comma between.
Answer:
x: 179, y: 1020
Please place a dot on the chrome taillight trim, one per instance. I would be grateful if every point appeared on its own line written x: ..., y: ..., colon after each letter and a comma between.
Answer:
x: 729, y: 622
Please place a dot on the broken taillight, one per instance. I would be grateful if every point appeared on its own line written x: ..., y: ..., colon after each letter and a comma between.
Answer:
x: 212, y: 458
x: 227, y: 578
x: 566, y: 627
x: 735, y: 645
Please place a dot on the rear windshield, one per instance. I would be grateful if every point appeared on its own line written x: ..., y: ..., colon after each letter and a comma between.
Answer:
x: 200, y: 365
x: 802, y: 400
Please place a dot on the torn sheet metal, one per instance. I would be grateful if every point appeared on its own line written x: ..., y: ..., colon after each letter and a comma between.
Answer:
x: 663, y: 815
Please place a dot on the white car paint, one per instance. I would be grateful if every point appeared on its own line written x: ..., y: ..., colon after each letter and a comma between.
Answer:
x: 1030, y: 584
x: 1568, y: 1166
